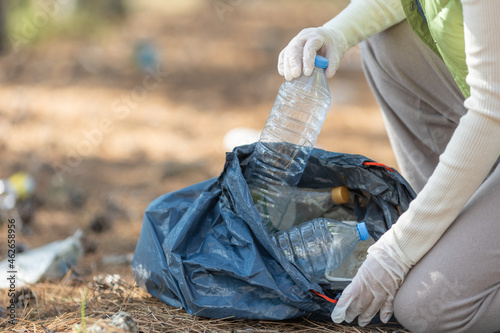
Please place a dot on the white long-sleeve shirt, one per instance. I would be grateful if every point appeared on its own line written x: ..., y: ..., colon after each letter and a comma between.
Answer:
x: 475, y: 145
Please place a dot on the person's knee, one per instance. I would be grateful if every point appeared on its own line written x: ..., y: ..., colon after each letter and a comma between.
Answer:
x: 413, y: 312
x: 435, y: 307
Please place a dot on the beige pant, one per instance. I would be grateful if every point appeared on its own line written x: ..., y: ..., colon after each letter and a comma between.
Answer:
x: 456, y: 286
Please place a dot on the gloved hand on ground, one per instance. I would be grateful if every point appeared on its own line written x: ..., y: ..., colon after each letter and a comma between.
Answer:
x: 375, y: 285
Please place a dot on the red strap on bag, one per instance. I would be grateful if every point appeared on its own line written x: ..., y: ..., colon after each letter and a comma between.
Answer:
x: 378, y: 164
x: 325, y: 297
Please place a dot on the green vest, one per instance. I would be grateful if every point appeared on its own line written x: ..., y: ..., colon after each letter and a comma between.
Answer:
x: 443, y: 33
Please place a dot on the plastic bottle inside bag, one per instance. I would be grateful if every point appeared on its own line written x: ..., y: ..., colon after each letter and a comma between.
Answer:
x: 308, y: 203
x: 348, y: 269
x: 285, y: 144
x: 320, y: 246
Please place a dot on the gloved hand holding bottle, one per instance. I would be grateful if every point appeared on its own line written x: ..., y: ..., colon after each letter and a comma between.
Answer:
x: 358, y: 21
x: 299, y: 55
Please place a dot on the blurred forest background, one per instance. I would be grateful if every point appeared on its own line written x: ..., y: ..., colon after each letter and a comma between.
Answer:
x: 109, y: 104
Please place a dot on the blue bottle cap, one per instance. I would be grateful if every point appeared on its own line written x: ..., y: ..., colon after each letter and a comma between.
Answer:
x: 363, y: 232
x: 321, y: 62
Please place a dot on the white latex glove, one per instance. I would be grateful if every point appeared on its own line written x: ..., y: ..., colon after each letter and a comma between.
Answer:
x: 298, y: 56
x: 358, y: 21
x: 375, y: 285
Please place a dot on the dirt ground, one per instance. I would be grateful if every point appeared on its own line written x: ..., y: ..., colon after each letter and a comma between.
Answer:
x: 103, y: 138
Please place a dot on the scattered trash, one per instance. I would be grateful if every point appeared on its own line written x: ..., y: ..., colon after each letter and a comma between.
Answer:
x: 146, y: 56
x: 108, y: 282
x: 120, y: 322
x: 24, y: 298
x: 18, y: 186
x: 49, y: 261
x: 17, y: 200
x: 118, y: 259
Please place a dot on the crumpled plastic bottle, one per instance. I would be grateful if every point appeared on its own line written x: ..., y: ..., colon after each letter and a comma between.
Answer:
x: 52, y: 260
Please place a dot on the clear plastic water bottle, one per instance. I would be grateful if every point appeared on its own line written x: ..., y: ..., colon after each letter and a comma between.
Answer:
x: 285, y: 144
x: 320, y: 246
x: 308, y: 203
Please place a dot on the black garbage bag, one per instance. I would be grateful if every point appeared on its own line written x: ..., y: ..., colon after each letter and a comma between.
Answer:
x: 204, y: 248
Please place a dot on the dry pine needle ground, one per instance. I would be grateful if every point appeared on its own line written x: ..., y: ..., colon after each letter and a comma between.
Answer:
x: 57, y: 307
